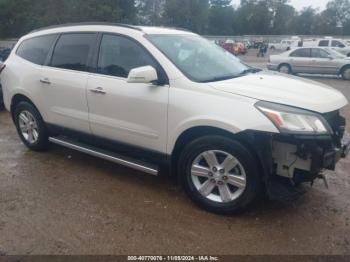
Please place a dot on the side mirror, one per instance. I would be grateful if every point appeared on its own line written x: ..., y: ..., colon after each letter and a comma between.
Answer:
x: 145, y: 75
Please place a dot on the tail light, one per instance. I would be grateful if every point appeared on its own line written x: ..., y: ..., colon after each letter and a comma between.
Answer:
x: 2, y: 67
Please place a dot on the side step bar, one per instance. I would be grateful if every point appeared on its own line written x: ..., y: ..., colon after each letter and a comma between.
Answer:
x: 93, y: 151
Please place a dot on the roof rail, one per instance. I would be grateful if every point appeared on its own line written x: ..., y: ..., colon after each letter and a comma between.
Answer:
x: 177, y: 28
x: 86, y: 23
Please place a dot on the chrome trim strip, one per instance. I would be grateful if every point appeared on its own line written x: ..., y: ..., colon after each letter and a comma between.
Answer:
x: 127, y: 163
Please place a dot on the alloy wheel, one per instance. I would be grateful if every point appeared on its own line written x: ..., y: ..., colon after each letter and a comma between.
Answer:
x: 284, y: 69
x: 218, y: 176
x: 28, y: 126
x: 347, y: 74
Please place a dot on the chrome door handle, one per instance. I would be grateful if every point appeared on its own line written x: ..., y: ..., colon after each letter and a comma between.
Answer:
x: 45, y: 81
x: 98, y: 90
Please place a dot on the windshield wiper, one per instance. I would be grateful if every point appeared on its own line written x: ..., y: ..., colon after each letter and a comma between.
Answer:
x: 222, y: 78
x: 250, y: 70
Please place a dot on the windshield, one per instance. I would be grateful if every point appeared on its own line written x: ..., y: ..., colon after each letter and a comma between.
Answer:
x: 335, y: 54
x: 199, y: 59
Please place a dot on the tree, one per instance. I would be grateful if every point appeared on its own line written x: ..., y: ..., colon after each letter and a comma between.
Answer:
x: 254, y: 17
x: 306, y: 21
x: 283, y: 16
x: 221, y: 15
x: 18, y: 17
x: 340, y: 9
x: 150, y: 12
x: 189, y: 14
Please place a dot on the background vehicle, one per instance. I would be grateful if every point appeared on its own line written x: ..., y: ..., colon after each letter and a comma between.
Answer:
x: 314, y: 60
x: 229, y: 45
x: 339, y: 45
x: 284, y: 45
x: 145, y: 97
x: 257, y: 44
x: 240, y: 49
x: 4, y: 53
x: 248, y: 44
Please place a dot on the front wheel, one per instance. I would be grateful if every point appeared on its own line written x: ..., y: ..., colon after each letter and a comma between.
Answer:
x: 219, y: 174
x: 31, y: 127
x: 285, y: 69
x: 346, y: 73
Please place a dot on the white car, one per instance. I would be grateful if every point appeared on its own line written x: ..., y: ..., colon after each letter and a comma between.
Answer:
x: 339, y: 45
x: 284, y: 45
x: 145, y: 96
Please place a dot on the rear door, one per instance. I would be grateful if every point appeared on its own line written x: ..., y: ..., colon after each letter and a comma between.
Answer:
x: 64, y: 80
x: 300, y: 60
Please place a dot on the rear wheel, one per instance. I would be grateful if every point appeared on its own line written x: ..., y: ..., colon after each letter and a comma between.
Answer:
x: 219, y: 174
x: 285, y: 69
x: 346, y: 73
x: 31, y: 127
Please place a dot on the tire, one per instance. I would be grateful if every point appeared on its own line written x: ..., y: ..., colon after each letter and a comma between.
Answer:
x: 246, y: 175
x: 285, y: 69
x: 345, y: 73
x: 2, y: 106
x: 31, y: 127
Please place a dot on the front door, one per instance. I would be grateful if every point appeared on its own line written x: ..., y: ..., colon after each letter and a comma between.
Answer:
x: 322, y: 62
x: 135, y: 114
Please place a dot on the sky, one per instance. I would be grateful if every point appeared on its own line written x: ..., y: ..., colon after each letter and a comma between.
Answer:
x: 300, y: 4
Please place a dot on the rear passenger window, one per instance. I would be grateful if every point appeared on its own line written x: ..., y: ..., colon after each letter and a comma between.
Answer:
x: 324, y: 43
x: 305, y: 52
x: 118, y: 55
x: 36, y: 49
x: 72, y: 51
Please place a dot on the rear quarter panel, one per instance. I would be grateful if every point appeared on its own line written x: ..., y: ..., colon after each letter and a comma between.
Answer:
x: 20, y: 77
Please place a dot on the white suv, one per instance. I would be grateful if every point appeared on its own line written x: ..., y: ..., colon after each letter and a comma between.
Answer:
x: 144, y: 97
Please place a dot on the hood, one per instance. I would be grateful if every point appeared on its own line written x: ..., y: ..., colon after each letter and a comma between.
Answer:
x: 286, y: 90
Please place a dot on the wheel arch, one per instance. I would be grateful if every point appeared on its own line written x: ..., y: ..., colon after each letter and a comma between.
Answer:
x: 246, y: 138
x: 18, y: 98
x: 343, y: 68
x: 284, y: 64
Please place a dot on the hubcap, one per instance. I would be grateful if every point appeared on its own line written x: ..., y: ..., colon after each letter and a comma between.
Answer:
x: 347, y: 74
x: 28, y: 126
x: 225, y: 184
x: 284, y: 70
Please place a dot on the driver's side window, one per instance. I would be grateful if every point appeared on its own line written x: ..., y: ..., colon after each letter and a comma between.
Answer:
x: 119, y: 55
x: 319, y: 53
x: 336, y: 43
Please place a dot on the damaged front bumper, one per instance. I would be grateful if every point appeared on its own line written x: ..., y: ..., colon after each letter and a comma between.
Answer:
x: 303, y: 158
x: 288, y: 160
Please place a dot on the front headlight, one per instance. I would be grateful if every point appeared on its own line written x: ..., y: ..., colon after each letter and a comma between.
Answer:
x: 293, y: 120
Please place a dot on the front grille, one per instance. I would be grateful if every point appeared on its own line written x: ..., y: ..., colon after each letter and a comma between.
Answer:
x: 337, y: 123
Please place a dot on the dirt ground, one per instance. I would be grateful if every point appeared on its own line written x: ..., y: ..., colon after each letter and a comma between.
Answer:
x: 64, y: 202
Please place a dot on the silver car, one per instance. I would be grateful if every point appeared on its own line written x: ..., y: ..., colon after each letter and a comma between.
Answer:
x: 314, y: 60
